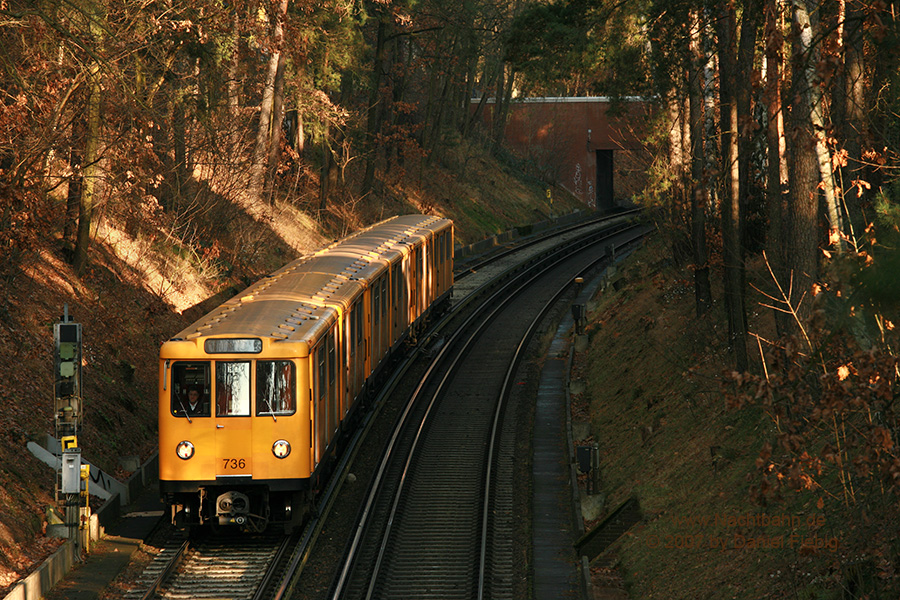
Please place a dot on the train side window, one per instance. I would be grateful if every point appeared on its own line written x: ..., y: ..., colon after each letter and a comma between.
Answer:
x: 275, y: 387
x: 232, y: 389
x: 383, y: 296
x: 190, y: 379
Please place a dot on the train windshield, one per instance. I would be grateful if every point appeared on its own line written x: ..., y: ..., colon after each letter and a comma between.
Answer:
x: 232, y: 389
x: 190, y: 389
x: 275, y: 387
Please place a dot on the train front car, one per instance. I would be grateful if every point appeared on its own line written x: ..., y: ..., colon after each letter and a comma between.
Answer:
x: 257, y: 397
x: 234, y: 414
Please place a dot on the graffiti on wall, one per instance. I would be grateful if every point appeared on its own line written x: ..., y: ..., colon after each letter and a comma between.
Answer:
x: 577, y: 179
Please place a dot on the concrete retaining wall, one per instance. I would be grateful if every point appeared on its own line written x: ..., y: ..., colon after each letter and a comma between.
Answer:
x: 45, y: 577
x: 482, y: 246
x: 42, y: 580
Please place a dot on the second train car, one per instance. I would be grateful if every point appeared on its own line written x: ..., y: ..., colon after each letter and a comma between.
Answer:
x: 255, y: 397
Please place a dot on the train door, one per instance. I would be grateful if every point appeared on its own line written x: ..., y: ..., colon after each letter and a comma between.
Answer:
x: 320, y: 397
x: 349, y: 371
x: 385, y: 314
x: 361, y: 347
x: 334, y: 385
x: 432, y: 279
x: 444, y: 265
x: 413, y: 286
x: 375, y: 299
x: 234, y: 443
x: 396, y: 299
x: 420, y: 281
x: 438, y: 266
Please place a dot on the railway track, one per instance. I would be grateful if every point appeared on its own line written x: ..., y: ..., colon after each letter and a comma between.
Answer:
x: 438, y: 521
x: 289, y: 569
x: 236, y: 567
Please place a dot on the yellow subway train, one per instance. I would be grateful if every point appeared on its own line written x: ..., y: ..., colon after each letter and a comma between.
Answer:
x: 257, y: 397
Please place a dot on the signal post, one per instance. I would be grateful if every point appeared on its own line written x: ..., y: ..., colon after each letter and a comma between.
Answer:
x: 73, y: 476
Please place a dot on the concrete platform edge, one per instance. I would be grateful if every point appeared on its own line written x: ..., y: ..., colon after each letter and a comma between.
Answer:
x: 587, y: 586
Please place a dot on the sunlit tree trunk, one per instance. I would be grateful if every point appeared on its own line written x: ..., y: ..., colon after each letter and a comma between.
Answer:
x: 277, y: 119
x: 266, y: 109
x: 333, y: 147
x: 91, y: 169
x: 806, y: 24
x: 776, y: 174
x: 501, y: 106
x: 849, y: 115
x: 73, y: 196
x: 801, y: 243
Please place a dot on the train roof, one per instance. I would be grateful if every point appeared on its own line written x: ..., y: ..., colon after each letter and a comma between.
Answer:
x: 301, y: 299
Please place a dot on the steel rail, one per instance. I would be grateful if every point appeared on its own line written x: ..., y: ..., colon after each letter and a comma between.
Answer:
x: 388, y: 455
x: 515, y: 361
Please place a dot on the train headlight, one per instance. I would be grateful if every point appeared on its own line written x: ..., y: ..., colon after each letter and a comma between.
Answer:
x: 184, y: 450
x: 281, y: 449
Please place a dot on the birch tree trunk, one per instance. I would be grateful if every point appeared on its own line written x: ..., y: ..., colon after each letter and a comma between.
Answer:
x: 811, y: 94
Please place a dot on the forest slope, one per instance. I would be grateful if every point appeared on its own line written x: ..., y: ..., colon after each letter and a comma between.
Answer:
x: 144, y: 284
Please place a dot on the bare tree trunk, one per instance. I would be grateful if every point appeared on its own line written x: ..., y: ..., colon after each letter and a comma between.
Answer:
x: 277, y: 119
x: 373, y: 124
x: 179, y: 141
x: 742, y: 88
x: 731, y: 207
x: 233, y: 86
x: 501, y: 107
x: 699, y: 199
x: 73, y: 197
x: 264, y: 133
x: 806, y: 22
x: 801, y: 245
x: 849, y: 117
x: 91, y: 170
x: 777, y: 172
x: 332, y: 149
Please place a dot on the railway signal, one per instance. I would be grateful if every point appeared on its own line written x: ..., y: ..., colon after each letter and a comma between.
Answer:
x: 72, y: 477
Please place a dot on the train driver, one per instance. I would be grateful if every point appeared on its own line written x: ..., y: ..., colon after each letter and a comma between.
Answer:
x: 195, y: 407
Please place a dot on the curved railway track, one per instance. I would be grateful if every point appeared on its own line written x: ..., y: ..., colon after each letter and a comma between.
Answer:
x: 438, y: 520
x: 222, y: 568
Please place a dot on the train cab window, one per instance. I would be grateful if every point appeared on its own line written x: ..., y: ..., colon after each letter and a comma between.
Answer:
x: 275, y: 387
x: 232, y: 389
x: 190, y: 389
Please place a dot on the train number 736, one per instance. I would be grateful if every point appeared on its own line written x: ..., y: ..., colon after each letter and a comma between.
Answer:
x: 234, y: 463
